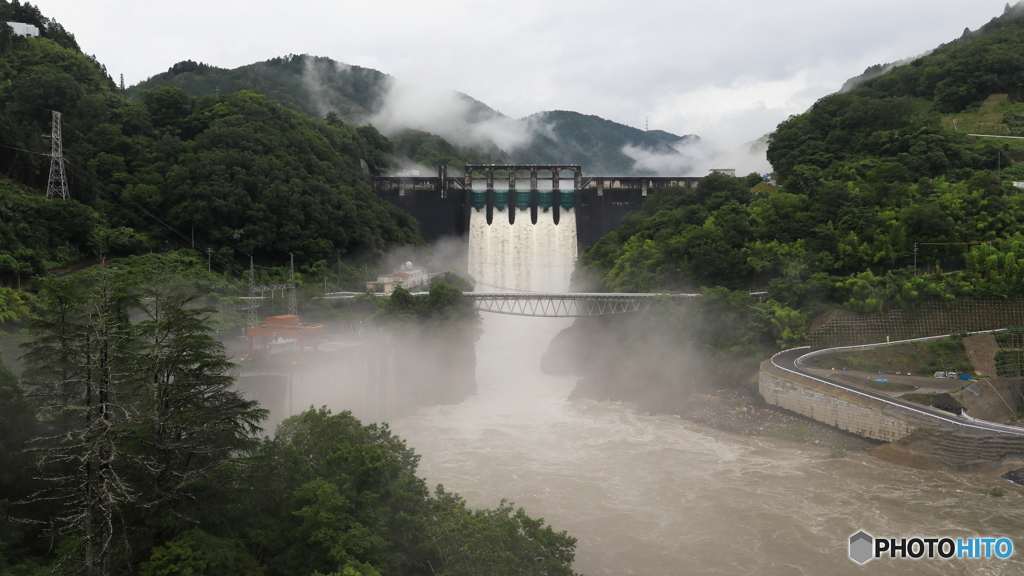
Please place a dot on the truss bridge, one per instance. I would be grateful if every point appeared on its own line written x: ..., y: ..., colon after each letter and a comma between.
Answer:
x: 568, y: 305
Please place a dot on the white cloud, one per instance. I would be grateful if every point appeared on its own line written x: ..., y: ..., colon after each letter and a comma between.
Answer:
x: 691, y: 67
x: 447, y: 114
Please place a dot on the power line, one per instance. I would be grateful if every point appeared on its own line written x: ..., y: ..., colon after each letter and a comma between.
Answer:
x: 201, y: 225
x: 24, y: 150
x: 147, y: 212
x: 57, y: 150
x: 118, y: 200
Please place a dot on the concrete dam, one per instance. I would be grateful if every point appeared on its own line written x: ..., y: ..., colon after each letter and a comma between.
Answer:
x: 443, y: 204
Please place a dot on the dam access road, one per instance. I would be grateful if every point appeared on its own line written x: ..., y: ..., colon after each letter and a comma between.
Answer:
x: 918, y: 435
x: 792, y: 361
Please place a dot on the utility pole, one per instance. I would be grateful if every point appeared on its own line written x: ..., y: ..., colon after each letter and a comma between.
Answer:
x: 252, y: 293
x: 293, y: 307
x: 58, y: 183
x: 915, y: 258
x: 209, y: 254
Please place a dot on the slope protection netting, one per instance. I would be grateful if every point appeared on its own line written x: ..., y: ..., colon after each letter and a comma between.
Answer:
x: 1010, y: 357
x: 927, y: 319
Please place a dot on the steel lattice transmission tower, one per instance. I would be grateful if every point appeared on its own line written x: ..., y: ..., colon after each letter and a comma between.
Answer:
x: 58, y: 182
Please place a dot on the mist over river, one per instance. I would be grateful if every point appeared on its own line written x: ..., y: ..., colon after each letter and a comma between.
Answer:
x: 656, y: 495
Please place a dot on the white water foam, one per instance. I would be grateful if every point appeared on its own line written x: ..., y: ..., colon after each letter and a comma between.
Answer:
x: 523, y: 256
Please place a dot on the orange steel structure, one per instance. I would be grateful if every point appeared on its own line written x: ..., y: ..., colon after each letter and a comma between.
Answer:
x: 287, y: 326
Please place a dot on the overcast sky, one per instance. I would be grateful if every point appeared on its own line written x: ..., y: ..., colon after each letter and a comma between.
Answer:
x: 729, y: 71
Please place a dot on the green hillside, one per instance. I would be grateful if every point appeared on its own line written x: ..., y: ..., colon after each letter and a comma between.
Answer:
x: 883, y: 205
x: 238, y: 174
x: 595, y: 143
x: 318, y: 86
x: 867, y: 174
x: 431, y: 150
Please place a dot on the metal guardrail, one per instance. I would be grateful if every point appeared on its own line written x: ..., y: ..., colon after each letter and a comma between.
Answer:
x: 977, y: 424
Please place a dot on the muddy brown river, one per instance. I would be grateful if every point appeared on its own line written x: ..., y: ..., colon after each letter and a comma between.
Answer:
x: 656, y: 495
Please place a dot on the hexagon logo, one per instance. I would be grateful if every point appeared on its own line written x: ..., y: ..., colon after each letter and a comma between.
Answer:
x: 861, y: 547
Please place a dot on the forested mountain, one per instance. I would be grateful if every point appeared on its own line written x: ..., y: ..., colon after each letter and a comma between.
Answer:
x: 961, y: 72
x: 866, y: 174
x: 318, y: 86
x: 885, y: 202
x: 308, y: 84
x: 238, y: 173
x: 601, y: 146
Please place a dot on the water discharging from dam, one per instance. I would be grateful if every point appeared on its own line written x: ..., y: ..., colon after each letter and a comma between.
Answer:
x: 522, y: 256
x: 656, y: 495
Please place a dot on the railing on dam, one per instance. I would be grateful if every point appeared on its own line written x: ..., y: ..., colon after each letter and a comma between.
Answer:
x: 568, y: 305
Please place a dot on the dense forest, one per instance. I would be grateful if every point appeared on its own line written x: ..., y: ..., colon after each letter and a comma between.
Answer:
x: 351, y: 92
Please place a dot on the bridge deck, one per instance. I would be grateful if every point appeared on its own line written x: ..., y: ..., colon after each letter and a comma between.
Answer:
x: 559, y: 304
x: 568, y: 305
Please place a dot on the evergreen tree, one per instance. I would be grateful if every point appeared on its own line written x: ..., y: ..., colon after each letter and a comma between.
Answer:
x: 80, y: 369
x: 137, y: 414
x: 190, y: 417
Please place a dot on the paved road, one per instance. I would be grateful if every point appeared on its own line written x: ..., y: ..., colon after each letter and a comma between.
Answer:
x: 790, y: 361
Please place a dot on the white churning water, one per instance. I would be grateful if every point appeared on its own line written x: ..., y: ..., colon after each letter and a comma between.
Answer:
x: 522, y: 256
x: 656, y: 495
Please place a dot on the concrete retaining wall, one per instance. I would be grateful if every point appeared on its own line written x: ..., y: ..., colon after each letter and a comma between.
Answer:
x: 844, y: 410
x: 915, y: 439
